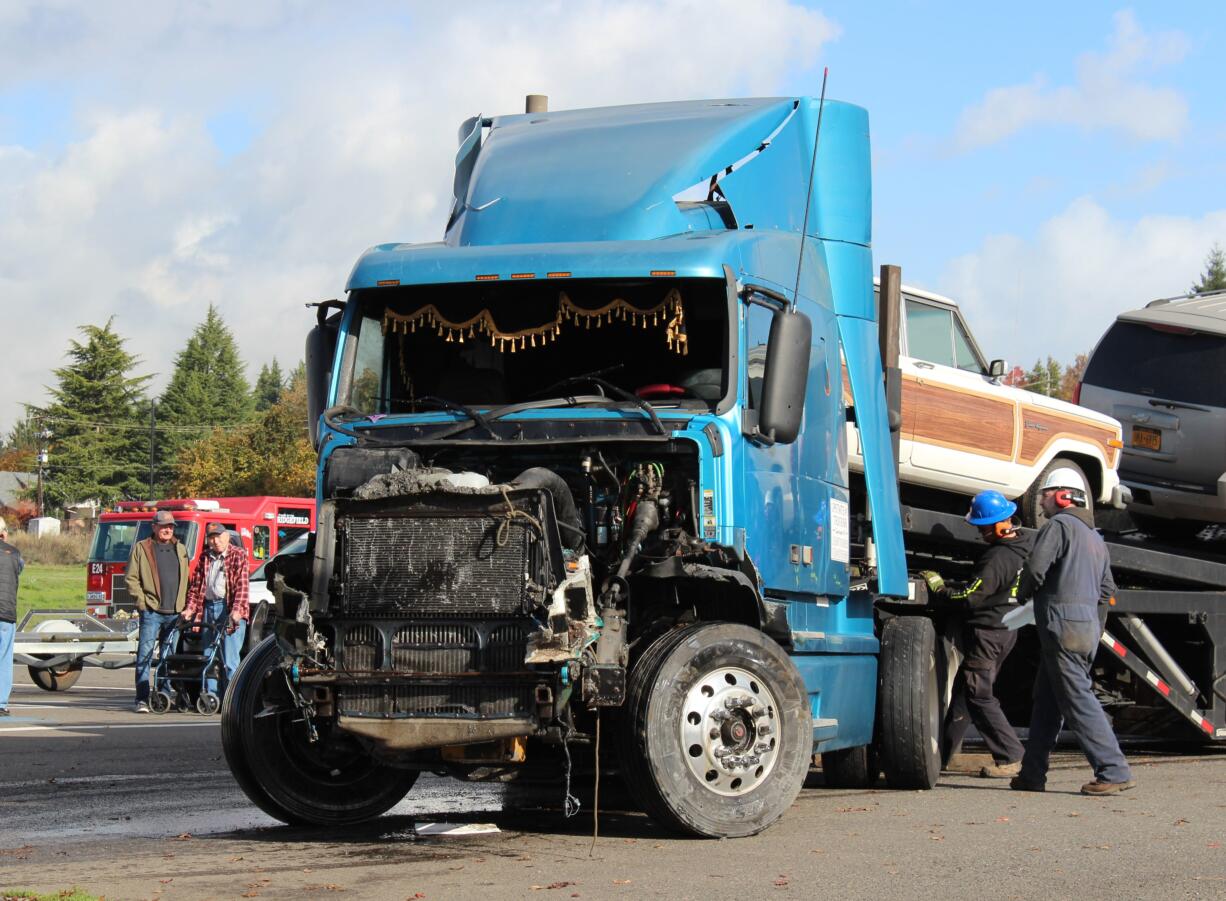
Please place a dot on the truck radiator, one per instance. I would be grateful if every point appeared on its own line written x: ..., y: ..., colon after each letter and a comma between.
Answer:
x: 470, y: 670
x: 432, y: 601
x: 437, y: 566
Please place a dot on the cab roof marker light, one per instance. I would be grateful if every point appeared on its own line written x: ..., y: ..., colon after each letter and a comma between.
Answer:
x: 666, y: 273
x: 523, y: 275
x: 490, y: 277
x: 557, y: 275
x: 387, y: 283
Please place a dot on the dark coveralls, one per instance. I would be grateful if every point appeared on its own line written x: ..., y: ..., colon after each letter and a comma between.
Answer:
x: 989, y: 595
x: 1068, y: 575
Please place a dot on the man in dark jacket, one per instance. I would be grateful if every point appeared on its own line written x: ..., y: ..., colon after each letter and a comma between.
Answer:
x: 1068, y: 576
x: 11, y: 566
x: 982, y: 602
x: 157, y: 580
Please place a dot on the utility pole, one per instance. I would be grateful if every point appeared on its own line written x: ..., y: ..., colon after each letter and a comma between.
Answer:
x: 43, y: 435
x: 152, y: 426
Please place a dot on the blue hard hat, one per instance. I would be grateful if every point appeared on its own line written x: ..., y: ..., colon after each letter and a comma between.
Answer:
x: 989, y: 508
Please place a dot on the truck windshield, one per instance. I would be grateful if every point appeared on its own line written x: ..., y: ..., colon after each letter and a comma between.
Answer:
x: 113, y: 540
x: 487, y: 345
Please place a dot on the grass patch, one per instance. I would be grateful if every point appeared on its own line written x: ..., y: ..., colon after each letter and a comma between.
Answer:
x: 44, y: 587
x: 68, y: 894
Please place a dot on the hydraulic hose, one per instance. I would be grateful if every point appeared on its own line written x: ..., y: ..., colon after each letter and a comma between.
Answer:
x: 563, y: 502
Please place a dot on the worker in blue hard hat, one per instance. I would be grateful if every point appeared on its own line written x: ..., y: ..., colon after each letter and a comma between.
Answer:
x: 982, y: 602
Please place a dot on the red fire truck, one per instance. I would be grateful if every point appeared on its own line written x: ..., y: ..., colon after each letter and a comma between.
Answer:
x: 263, y: 525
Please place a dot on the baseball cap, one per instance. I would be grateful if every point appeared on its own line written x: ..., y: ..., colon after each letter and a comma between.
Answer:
x: 215, y: 528
x: 163, y: 518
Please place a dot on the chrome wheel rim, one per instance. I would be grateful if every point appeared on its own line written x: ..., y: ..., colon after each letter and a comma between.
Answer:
x: 729, y: 731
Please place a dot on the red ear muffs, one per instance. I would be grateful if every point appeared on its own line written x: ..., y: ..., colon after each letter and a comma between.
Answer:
x: 1064, y: 498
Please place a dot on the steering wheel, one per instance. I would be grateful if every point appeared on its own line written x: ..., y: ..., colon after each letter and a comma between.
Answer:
x: 661, y: 390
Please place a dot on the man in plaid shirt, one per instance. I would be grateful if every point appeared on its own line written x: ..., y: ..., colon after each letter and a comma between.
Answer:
x: 217, y: 584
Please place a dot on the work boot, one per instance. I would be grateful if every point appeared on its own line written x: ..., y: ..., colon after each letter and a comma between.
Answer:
x: 1018, y: 784
x: 1001, y: 770
x: 140, y: 707
x: 1107, y: 788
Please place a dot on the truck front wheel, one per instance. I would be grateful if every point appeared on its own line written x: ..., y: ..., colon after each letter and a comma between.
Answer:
x: 718, y: 734
x: 332, y: 781
x: 909, y: 696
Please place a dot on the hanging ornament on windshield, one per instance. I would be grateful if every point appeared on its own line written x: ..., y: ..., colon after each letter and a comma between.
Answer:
x: 669, y: 313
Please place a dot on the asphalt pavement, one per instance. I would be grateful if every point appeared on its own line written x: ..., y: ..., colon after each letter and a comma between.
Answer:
x: 141, y: 806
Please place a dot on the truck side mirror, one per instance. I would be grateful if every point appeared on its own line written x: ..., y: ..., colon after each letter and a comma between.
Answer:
x: 320, y: 350
x: 997, y: 368
x: 786, y: 376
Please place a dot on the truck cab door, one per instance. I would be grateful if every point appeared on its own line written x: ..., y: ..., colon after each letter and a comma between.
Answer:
x: 772, y: 519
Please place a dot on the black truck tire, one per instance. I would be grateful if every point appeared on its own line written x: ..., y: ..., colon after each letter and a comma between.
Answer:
x: 59, y: 678
x: 909, y: 698
x: 851, y: 767
x: 331, y: 782
x: 699, y: 696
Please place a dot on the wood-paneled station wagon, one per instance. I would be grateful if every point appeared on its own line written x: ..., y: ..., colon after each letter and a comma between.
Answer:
x: 964, y: 430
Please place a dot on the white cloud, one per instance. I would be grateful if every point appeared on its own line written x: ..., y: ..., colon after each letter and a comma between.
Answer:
x: 1057, y: 292
x: 143, y: 218
x: 1107, y: 93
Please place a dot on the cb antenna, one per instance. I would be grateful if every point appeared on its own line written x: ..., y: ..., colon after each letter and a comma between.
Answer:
x: 804, y: 228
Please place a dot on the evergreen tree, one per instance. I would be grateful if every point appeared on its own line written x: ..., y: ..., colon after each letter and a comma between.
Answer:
x: 207, y: 390
x: 1044, y: 377
x: 1214, y: 277
x: 93, y: 453
x: 269, y: 385
x: 297, y: 377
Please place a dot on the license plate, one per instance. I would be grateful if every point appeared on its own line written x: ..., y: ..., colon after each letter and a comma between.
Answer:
x: 1150, y: 439
x: 95, y: 596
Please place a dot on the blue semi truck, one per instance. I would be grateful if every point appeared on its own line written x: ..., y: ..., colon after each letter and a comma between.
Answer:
x: 583, y: 490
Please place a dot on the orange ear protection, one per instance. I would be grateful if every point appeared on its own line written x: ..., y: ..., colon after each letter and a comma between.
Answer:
x: 1001, y: 529
x: 1064, y: 498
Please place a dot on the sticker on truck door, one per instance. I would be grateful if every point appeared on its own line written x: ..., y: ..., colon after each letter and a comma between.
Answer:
x: 840, y: 533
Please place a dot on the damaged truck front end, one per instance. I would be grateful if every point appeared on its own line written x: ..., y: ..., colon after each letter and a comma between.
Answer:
x: 584, y: 463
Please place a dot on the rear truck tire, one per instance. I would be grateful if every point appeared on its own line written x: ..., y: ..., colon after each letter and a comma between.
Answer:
x: 851, y: 767
x: 59, y: 678
x: 1032, y: 513
x: 717, y: 734
x: 331, y: 782
x: 909, y: 698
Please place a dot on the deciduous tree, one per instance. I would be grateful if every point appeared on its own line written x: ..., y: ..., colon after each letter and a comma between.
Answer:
x: 271, y: 455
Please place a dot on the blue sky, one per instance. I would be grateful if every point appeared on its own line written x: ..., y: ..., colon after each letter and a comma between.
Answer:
x: 1047, y: 169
